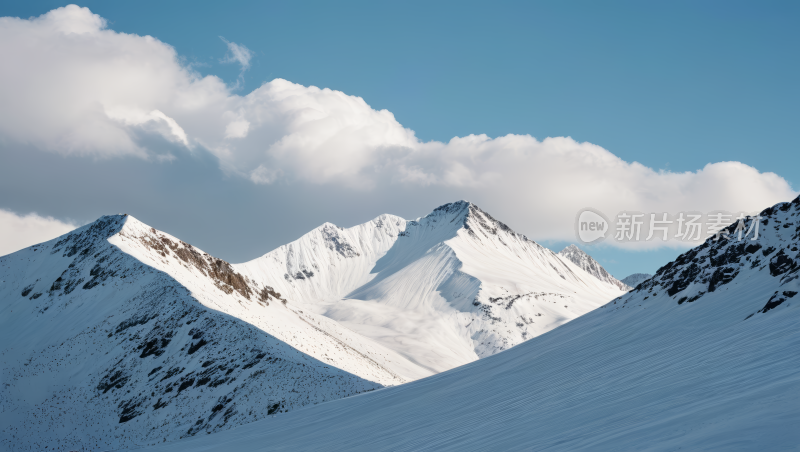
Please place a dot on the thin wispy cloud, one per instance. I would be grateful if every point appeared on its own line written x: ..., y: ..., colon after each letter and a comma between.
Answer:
x: 238, y: 53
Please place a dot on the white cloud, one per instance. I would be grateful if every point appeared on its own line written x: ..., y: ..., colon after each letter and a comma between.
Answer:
x: 237, y: 129
x: 238, y: 53
x: 70, y: 85
x: 263, y: 175
x: 155, y: 120
x: 18, y: 232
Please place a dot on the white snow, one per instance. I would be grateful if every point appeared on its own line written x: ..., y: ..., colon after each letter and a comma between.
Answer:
x: 703, y: 356
x: 440, y: 291
x: 118, y: 335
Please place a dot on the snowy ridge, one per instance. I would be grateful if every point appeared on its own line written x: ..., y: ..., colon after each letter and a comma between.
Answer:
x: 440, y: 291
x: 703, y: 356
x: 118, y: 334
x: 586, y: 262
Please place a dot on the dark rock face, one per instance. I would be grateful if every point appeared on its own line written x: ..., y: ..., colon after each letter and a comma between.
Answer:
x: 722, y: 275
x: 777, y: 299
x: 715, y: 264
x: 781, y: 263
x: 226, y: 278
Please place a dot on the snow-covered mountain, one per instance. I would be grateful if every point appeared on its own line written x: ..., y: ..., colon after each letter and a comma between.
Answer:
x: 591, y: 266
x: 118, y: 334
x: 703, y: 356
x: 635, y: 279
x: 440, y: 291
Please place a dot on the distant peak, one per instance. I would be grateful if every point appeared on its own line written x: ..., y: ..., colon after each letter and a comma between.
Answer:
x: 454, y: 212
x: 107, y: 224
x: 327, y: 225
x: 453, y: 207
x: 636, y: 279
x: 464, y: 209
x: 579, y: 257
x: 571, y: 249
x: 470, y: 217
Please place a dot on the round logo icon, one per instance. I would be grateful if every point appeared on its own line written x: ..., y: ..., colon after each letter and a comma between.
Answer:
x: 591, y: 225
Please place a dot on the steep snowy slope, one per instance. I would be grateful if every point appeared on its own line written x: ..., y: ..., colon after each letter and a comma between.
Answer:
x: 636, y: 279
x: 703, y: 356
x: 586, y: 262
x: 117, y: 334
x: 441, y: 291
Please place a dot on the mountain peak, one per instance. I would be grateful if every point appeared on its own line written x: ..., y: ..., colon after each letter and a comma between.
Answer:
x: 452, y: 208
x: 122, y: 302
x: 579, y: 257
x: 576, y: 255
x: 572, y: 249
x: 636, y: 278
x: 472, y: 218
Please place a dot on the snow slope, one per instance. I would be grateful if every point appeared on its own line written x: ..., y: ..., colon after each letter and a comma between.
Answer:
x: 440, y: 291
x: 636, y: 279
x: 118, y: 334
x: 586, y: 262
x: 703, y: 356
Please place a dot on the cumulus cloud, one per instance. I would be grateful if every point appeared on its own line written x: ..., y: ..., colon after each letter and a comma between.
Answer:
x: 561, y: 176
x: 21, y: 231
x: 237, y: 129
x: 72, y: 86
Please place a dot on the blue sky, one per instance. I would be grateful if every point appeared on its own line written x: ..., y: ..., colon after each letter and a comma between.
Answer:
x: 674, y: 86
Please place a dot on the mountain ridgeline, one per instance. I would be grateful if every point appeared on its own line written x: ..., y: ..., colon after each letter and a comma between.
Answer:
x: 702, y: 356
x: 441, y: 291
x: 591, y: 266
x: 118, y: 334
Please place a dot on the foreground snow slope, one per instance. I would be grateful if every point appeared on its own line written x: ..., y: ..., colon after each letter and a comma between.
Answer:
x: 442, y: 291
x: 703, y: 356
x: 117, y: 334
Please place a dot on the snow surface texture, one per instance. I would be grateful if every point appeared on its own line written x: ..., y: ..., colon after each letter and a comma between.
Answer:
x: 703, y: 356
x: 440, y: 291
x: 118, y: 335
x: 636, y: 279
x: 586, y: 262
